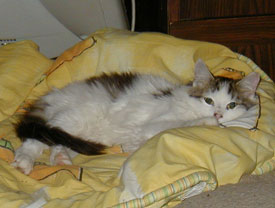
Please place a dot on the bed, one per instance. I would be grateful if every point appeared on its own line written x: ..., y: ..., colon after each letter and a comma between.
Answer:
x: 170, y: 167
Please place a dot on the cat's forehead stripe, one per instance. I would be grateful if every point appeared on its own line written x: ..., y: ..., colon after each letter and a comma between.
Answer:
x: 221, y: 82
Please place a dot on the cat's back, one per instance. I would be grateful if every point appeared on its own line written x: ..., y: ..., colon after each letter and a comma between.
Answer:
x: 106, y: 89
x: 114, y: 85
x: 150, y: 84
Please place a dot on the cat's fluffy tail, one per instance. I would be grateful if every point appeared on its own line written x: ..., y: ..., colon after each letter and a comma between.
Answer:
x: 34, y: 127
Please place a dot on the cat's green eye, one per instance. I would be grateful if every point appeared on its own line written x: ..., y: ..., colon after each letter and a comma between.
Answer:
x: 231, y: 105
x: 209, y: 101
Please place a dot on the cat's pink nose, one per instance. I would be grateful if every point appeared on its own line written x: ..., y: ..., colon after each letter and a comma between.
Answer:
x: 218, y: 115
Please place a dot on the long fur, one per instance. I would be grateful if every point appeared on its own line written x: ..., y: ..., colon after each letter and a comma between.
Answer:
x: 35, y: 127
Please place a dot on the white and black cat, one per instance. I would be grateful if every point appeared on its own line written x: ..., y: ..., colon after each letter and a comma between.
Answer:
x: 126, y: 109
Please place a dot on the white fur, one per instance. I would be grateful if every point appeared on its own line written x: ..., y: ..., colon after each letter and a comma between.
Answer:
x: 131, y: 188
x: 60, y: 156
x: 26, y: 155
x: 89, y: 112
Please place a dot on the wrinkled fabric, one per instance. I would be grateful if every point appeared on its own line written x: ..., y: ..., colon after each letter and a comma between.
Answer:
x: 171, y: 166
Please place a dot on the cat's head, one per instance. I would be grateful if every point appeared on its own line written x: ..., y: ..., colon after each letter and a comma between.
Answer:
x: 226, y: 99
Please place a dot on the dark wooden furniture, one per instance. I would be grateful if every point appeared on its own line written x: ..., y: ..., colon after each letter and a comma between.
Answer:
x: 151, y: 15
x: 245, y: 26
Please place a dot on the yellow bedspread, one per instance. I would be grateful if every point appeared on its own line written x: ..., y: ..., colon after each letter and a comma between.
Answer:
x: 173, y: 165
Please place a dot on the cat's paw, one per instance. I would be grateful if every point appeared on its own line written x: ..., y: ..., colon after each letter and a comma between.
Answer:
x: 23, y: 162
x: 59, y: 156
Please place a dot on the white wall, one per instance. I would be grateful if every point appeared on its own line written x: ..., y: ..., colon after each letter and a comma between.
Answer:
x: 86, y: 16
x: 28, y: 19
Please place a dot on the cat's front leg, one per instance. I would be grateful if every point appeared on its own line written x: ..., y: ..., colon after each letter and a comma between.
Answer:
x: 206, y: 121
x: 26, y: 155
x: 209, y: 121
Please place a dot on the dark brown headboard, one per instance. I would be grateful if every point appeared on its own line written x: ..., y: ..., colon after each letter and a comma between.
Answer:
x: 245, y: 26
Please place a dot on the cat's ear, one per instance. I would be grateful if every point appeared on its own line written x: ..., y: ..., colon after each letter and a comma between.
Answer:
x: 202, y: 74
x: 249, y: 84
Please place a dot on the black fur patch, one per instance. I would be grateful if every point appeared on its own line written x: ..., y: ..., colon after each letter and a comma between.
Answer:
x: 163, y: 93
x: 36, y: 128
x: 114, y: 83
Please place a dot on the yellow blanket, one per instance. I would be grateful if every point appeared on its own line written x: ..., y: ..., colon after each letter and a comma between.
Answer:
x: 173, y: 165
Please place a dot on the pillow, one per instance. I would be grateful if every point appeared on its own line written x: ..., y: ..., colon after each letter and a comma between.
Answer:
x: 21, y: 67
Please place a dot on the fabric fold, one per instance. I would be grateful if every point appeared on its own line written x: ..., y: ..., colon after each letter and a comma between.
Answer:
x: 171, y: 166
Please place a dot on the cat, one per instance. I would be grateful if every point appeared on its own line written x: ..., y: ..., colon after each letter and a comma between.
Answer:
x: 126, y: 109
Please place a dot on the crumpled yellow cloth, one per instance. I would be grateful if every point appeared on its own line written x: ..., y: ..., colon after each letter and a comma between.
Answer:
x: 173, y: 165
